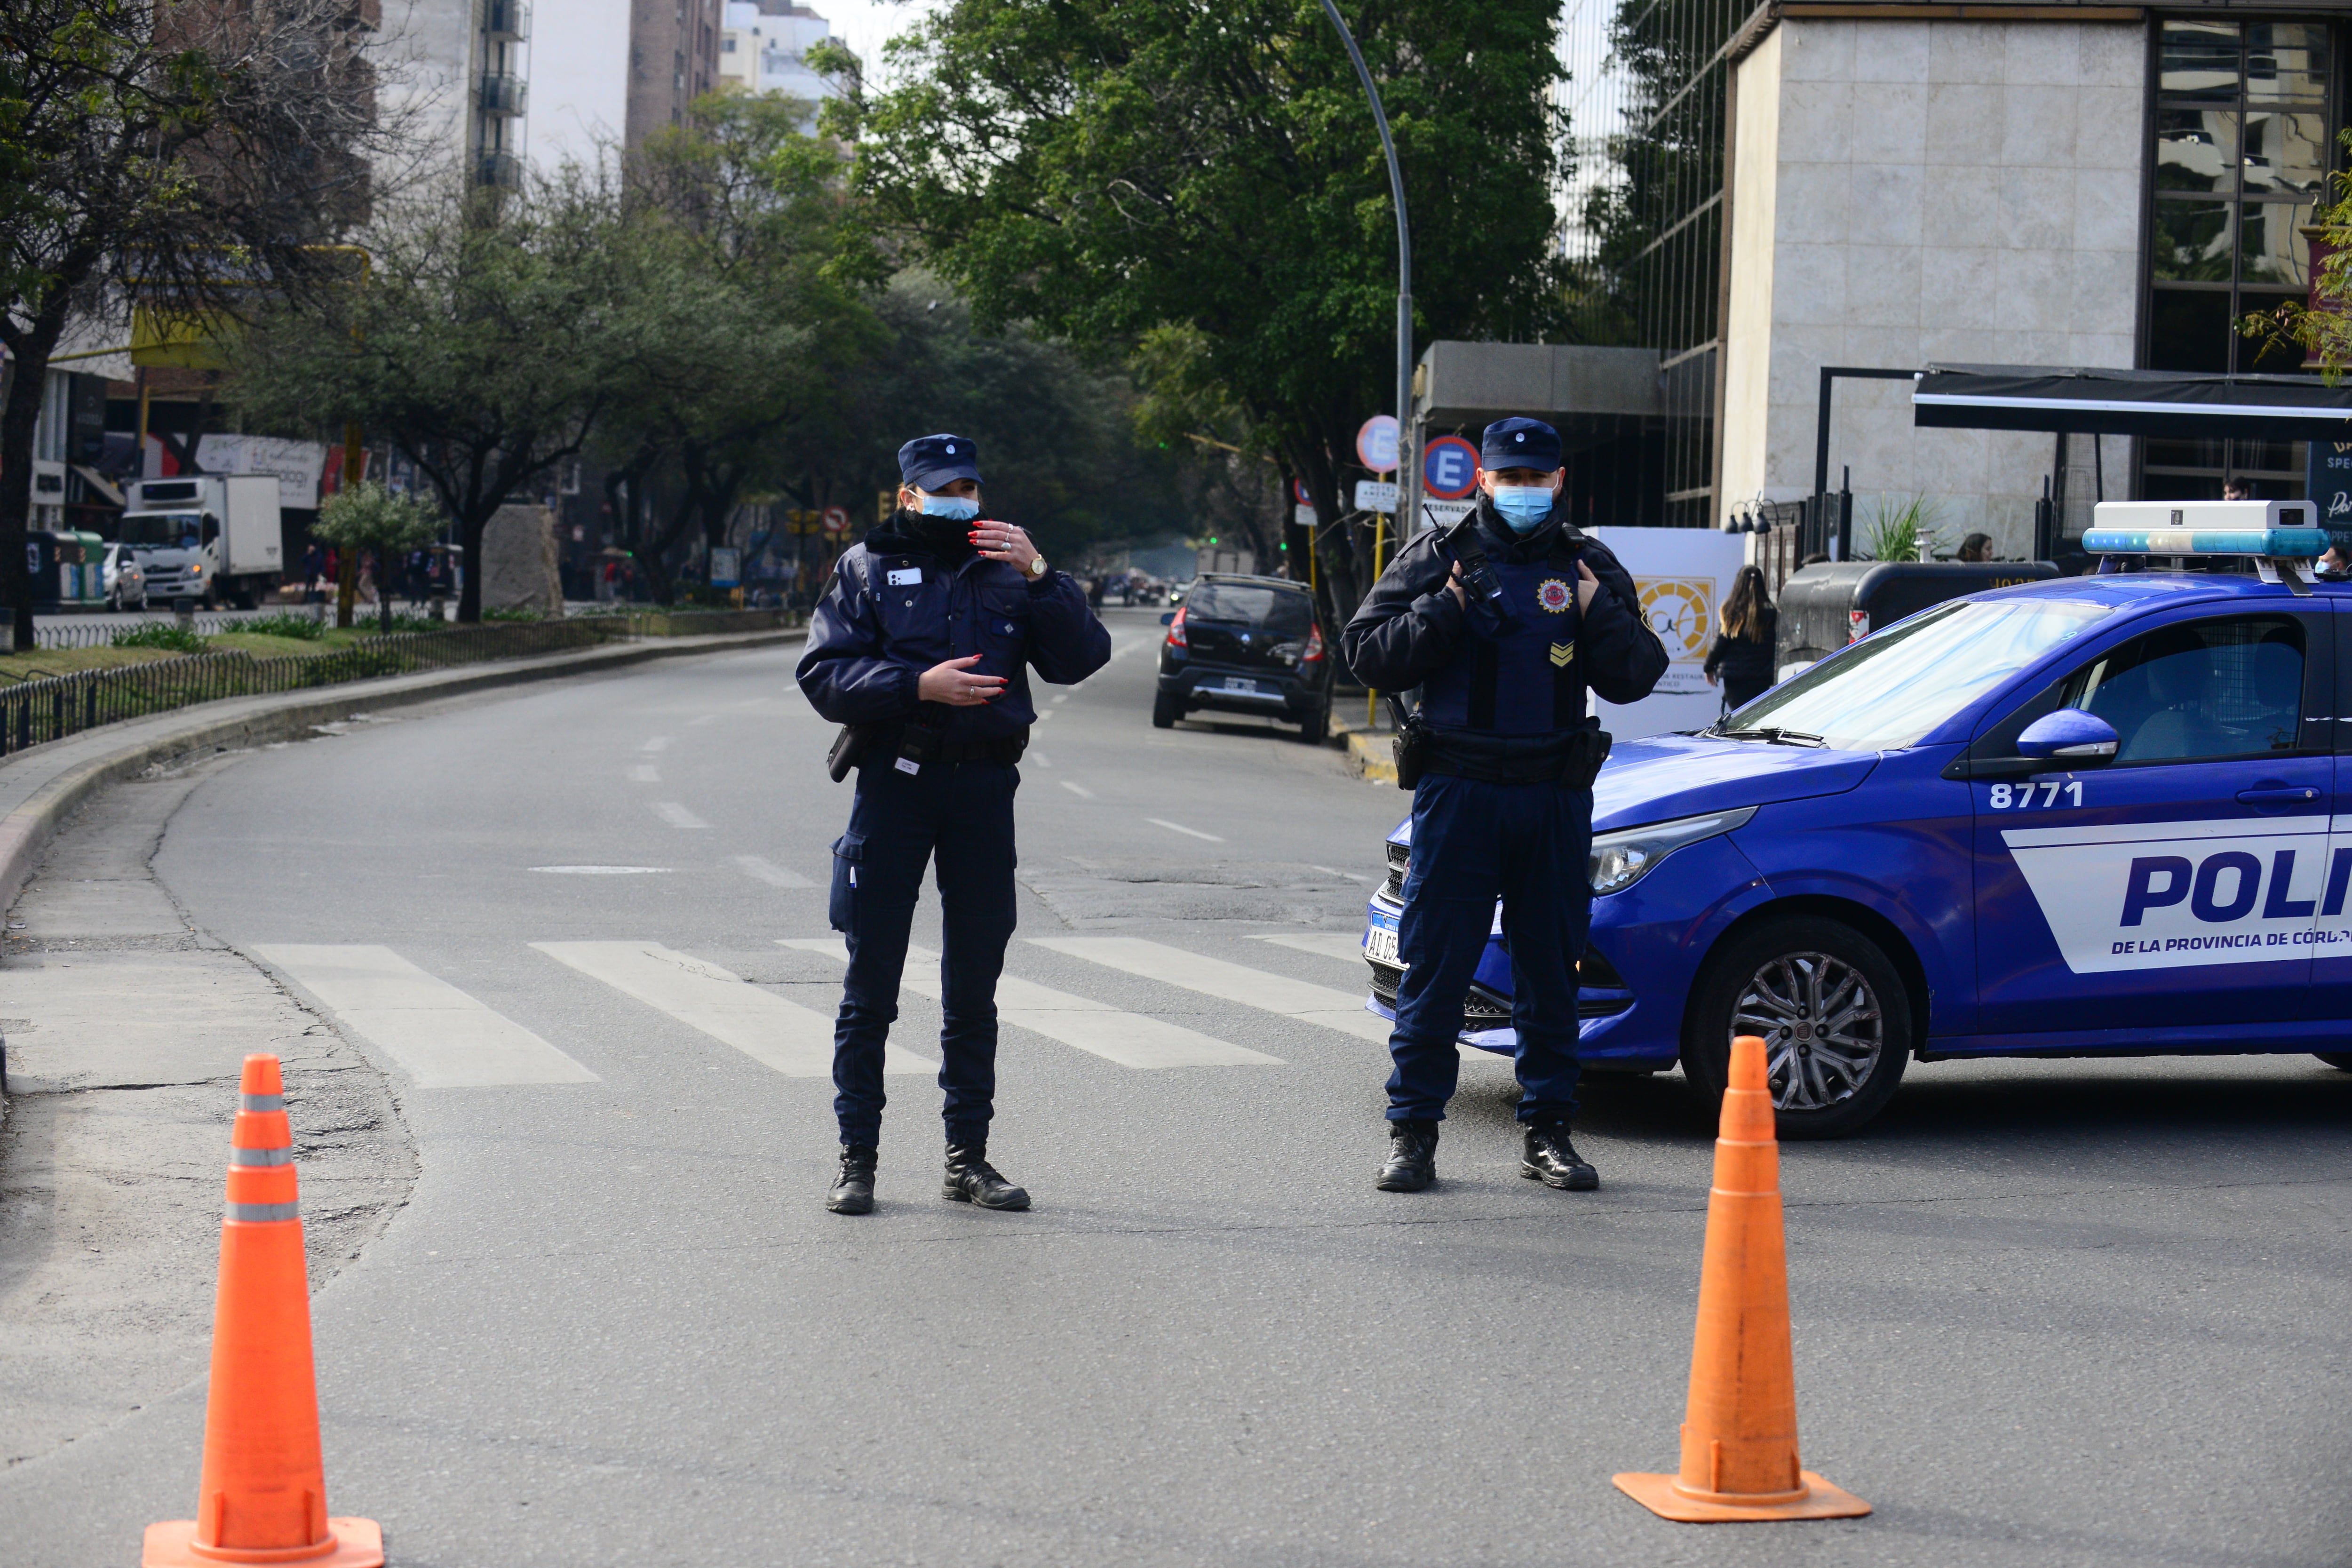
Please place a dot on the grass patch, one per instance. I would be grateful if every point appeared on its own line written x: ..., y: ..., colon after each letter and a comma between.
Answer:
x: 264, y: 644
x: 42, y: 663
x: 284, y: 624
x: 168, y: 635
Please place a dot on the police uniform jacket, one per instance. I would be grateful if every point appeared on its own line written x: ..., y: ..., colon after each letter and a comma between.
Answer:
x: 900, y: 601
x: 1411, y: 632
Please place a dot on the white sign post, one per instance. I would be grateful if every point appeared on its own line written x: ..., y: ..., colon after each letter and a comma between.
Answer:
x: 1681, y: 575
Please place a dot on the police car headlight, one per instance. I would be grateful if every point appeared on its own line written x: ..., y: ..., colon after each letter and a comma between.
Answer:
x: 1623, y: 858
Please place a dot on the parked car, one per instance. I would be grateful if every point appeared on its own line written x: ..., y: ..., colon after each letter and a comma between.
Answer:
x: 1246, y: 645
x: 126, y: 580
x: 2098, y: 817
x: 1831, y: 604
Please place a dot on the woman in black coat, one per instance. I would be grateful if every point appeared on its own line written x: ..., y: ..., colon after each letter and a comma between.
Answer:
x: 1744, y: 638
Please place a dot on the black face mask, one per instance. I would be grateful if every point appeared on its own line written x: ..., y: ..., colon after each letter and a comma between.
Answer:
x: 949, y: 537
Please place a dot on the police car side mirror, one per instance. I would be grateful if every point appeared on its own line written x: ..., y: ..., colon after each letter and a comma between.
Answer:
x: 2072, y: 736
x: 1169, y: 619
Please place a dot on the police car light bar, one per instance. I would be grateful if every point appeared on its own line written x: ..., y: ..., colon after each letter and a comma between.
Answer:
x: 2271, y: 532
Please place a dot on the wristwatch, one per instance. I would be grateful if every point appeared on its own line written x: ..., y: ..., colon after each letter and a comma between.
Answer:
x: 1037, y: 566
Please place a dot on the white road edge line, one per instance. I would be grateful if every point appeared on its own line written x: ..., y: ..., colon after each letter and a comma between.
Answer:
x: 1098, y: 1029
x: 439, y: 1036
x: 1180, y: 827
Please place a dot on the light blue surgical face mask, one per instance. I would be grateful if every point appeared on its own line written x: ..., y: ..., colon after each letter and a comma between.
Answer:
x: 1523, y: 506
x: 956, y: 509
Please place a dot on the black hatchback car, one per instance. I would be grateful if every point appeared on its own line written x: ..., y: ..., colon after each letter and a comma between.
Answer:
x: 1246, y: 645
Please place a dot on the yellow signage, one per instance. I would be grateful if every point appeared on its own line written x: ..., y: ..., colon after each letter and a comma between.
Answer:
x: 1681, y: 611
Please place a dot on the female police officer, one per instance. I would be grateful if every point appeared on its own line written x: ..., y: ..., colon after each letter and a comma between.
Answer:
x: 920, y: 645
x: 1503, y: 621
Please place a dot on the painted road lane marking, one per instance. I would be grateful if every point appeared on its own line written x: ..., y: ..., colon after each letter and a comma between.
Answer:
x: 767, y: 871
x: 1232, y: 982
x: 1345, y: 946
x: 676, y: 816
x: 644, y: 773
x: 439, y: 1036
x: 794, y: 1040
x: 1081, y: 791
x: 659, y: 743
x: 1130, y: 1040
x: 1180, y: 827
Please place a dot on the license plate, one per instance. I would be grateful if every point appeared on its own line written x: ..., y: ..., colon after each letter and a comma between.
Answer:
x: 1235, y: 683
x: 1380, y: 946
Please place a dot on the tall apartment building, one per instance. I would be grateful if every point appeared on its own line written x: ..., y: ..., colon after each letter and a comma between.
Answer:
x: 765, y: 46
x: 1765, y: 191
x: 463, y: 68
x: 673, y: 60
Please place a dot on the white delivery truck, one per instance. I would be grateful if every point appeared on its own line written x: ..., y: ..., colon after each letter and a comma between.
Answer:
x: 213, y: 537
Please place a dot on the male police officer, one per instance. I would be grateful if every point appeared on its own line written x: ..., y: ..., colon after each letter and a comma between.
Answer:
x: 920, y: 645
x: 1503, y: 621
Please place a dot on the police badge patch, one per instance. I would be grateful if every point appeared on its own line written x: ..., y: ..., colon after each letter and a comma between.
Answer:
x: 1553, y: 595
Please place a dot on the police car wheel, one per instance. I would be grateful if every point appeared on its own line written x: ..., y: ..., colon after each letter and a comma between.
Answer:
x: 2335, y: 1059
x: 1833, y: 1013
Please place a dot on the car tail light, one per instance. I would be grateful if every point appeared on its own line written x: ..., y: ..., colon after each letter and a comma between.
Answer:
x: 1314, y: 652
x: 1176, y: 629
x: 1860, y: 625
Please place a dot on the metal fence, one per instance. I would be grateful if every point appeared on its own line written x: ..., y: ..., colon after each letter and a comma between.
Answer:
x: 51, y: 708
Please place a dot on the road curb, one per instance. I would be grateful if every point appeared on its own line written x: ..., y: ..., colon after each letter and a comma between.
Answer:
x: 41, y: 786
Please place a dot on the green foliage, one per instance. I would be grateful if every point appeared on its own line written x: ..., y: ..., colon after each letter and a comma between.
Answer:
x: 1901, y: 528
x: 1112, y: 172
x: 2325, y: 334
x: 285, y: 624
x: 498, y: 615
x: 368, y: 516
x: 167, y: 635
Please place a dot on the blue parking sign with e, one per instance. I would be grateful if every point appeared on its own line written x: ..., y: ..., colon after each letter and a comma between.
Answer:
x: 1449, y: 467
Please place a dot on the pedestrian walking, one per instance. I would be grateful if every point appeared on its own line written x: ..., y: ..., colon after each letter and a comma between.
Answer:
x: 922, y: 648
x: 1505, y: 621
x: 1744, y: 631
x: 1976, y: 547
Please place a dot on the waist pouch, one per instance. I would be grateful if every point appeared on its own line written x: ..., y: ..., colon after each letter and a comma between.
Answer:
x: 1571, y: 758
x: 858, y: 744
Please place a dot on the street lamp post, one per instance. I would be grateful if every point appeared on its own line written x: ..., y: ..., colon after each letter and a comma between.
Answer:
x: 1408, y: 472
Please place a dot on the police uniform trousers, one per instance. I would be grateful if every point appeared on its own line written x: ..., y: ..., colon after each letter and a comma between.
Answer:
x: 1472, y: 842
x: 958, y: 815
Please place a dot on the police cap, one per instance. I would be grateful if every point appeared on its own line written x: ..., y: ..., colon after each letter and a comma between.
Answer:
x: 927, y: 462
x: 1519, y: 444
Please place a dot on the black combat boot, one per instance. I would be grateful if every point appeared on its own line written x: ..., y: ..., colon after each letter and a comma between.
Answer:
x: 1551, y: 1159
x: 853, y: 1190
x: 970, y: 1179
x: 1413, y: 1157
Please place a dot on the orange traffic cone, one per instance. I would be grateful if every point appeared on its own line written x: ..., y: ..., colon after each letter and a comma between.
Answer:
x: 263, y: 1497
x: 1740, y: 1435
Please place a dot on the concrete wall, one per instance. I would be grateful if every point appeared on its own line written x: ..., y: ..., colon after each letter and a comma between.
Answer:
x: 1905, y: 192
x: 426, y: 51
x: 579, y: 80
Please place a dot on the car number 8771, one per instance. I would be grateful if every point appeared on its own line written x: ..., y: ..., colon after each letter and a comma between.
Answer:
x: 2020, y: 796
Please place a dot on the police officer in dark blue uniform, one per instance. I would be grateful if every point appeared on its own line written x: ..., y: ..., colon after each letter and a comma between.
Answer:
x: 1503, y: 621
x: 921, y: 646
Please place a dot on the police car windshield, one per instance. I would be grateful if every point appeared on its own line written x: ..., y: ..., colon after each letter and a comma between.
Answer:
x: 1282, y: 611
x: 1889, y: 690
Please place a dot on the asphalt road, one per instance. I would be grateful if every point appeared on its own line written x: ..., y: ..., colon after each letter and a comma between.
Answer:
x: 2045, y: 1313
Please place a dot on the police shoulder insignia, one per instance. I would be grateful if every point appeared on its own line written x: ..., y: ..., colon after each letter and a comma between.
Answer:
x: 1562, y: 652
x: 1553, y: 595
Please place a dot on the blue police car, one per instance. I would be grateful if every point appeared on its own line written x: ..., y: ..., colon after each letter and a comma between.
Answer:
x: 2102, y: 815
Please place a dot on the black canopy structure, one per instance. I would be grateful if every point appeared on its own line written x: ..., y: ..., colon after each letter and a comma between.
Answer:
x: 2158, y: 402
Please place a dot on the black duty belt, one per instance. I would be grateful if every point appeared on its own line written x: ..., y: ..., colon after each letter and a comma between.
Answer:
x: 1570, y: 757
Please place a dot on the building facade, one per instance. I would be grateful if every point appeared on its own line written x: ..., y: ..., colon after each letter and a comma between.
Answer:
x: 1769, y: 191
x: 673, y: 60
x: 764, y: 49
x: 461, y: 69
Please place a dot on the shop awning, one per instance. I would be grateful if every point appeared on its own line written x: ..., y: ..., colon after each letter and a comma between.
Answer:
x: 2158, y: 402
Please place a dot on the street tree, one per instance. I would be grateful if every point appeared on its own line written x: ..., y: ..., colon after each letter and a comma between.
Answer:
x: 366, y: 516
x: 184, y: 157
x: 485, y: 342
x: 1109, y: 169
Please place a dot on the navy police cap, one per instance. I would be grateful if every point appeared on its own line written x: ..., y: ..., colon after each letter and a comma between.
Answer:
x: 927, y: 462
x: 1519, y: 444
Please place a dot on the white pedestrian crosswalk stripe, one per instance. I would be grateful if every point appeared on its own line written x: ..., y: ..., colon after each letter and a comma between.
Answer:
x: 794, y: 1040
x: 1130, y: 1040
x: 767, y: 871
x: 439, y: 1036
x: 1230, y: 982
x: 1343, y: 945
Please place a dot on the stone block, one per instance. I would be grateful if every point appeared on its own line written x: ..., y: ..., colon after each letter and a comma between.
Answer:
x: 1958, y: 287
x: 2037, y: 210
x: 1817, y: 50
x: 2036, y: 291
x: 1890, y: 121
x: 1892, y: 52
x: 1963, y: 206
x: 1888, y: 203
x: 1809, y: 285
x: 1816, y: 122
x: 2044, y: 54
x: 1969, y: 53
x: 520, y: 561
x: 1964, y: 124
x: 2038, y: 127
x: 1810, y: 203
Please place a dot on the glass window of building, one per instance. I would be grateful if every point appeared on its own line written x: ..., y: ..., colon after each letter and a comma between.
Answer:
x: 2244, y: 129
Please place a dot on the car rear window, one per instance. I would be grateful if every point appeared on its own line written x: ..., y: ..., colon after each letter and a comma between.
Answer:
x: 1282, y: 611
